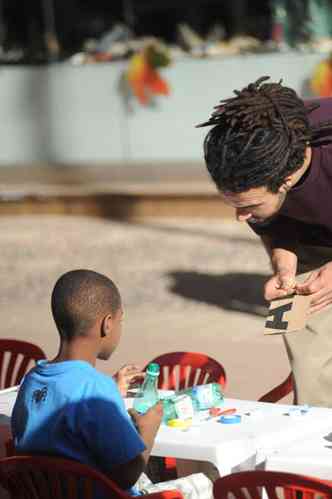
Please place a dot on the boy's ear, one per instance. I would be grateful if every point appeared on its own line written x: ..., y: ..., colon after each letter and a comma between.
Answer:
x: 106, y: 326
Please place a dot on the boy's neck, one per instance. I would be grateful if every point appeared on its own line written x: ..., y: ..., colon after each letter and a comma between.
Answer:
x: 76, y: 350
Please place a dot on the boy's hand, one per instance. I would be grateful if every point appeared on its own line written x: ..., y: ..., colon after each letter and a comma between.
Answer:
x: 148, y: 426
x: 127, y: 375
x: 150, y: 421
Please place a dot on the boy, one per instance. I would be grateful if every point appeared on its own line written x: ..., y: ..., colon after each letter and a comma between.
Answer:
x: 65, y: 406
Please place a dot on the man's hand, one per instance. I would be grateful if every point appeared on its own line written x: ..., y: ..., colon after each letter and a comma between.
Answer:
x: 126, y: 376
x: 282, y: 283
x: 319, y: 285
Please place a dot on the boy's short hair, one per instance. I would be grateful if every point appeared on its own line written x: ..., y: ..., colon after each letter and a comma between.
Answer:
x: 79, y: 298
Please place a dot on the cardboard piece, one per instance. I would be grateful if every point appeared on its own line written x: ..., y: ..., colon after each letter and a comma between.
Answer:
x: 287, y: 314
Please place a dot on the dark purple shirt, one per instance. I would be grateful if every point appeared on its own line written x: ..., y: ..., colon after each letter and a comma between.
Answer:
x: 306, y: 215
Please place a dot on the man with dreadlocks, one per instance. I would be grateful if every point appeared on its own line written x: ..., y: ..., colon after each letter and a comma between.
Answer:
x: 270, y: 155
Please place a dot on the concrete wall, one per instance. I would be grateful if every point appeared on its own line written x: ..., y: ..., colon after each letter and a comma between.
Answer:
x: 76, y: 114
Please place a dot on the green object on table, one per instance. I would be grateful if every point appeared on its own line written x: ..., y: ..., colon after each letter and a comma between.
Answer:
x: 184, y: 404
x: 178, y: 407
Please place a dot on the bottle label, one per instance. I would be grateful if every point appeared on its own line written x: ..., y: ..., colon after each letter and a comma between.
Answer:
x: 204, y: 396
x: 184, y: 407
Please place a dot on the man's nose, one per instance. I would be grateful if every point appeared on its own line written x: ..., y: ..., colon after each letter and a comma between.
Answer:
x: 242, y: 216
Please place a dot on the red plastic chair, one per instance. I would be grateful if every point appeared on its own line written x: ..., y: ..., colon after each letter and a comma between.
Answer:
x: 15, y: 360
x: 40, y: 477
x: 10, y: 448
x: 180, y: 370
x: 280, y: 391
x: 276, y: 485
x: 185, y: 369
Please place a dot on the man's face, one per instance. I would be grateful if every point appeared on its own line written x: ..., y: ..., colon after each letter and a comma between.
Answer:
x: 255, y: 205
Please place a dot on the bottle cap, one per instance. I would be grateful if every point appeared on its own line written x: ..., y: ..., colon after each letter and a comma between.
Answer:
x: 230, y: 419
x: 153, y: 369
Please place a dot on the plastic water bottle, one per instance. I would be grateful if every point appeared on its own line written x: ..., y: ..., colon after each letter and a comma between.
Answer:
x: 147, y: 395
x: 178, y: 407
x: 188, y: 404
x: 204, y: 396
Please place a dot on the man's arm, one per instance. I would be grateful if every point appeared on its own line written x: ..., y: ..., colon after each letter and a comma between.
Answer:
x: 284, y: 265
x: 280, y: 239
x: 282, y: 283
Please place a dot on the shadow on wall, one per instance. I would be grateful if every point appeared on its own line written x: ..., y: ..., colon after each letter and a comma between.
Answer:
x: 239, y: 292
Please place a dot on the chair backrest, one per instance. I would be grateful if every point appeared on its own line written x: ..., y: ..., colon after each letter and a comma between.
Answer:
x: 279, y: 392
x: 40, y: 477
x: 275, y: 484
x: 15, y: 359
x: 180, y: 370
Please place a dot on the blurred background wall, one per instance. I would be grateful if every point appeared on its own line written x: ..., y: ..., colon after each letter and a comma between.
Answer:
x: 58, y: 105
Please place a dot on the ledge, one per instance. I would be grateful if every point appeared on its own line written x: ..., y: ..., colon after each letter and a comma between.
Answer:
x: 116, y: 192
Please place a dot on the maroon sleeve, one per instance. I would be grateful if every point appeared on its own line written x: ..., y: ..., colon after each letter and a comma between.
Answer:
x: 282, y: 230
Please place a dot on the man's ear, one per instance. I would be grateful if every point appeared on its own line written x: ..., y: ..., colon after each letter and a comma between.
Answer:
x: 286, y: 185
x: 106, y: 326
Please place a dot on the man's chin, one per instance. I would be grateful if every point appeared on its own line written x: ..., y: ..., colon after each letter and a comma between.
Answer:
x: 257, y: 220
x: 261, y: 221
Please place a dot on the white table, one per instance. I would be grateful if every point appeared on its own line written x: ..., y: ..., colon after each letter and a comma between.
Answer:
x: 310, y: 456
x: 264, y: 429
x: 245, y: 445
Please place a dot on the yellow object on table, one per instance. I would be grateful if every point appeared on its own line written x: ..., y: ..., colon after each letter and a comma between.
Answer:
x: 182, y: 424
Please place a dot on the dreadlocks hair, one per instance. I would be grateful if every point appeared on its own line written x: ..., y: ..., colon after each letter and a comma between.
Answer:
x: 259, y: 137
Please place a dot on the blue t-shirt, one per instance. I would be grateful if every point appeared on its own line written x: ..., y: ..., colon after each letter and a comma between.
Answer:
x: 72, y: 410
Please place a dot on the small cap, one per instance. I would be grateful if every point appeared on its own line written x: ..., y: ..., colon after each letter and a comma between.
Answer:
x: 153, y: 369
x: 230, y: 419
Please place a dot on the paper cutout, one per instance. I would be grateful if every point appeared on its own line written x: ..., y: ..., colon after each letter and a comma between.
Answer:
x: 287, y: 314
x: 278, y: 314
